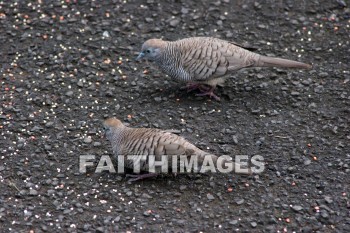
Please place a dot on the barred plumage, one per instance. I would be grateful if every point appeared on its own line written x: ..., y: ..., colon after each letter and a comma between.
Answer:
x: 206, y: 60
x: 145, y: 142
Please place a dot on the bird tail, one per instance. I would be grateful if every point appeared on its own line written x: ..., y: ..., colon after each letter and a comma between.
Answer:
x: 265, y: 61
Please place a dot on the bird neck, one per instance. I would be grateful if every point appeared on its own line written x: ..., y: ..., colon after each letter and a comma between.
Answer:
x: 115, y: 137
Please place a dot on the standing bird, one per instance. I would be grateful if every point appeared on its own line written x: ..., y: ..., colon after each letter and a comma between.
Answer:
x: 202, y: 62
x: 144, y: 142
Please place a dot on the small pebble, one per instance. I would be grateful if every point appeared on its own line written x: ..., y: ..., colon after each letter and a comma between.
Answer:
x: 210, y: 196
x: 297, y: 208
x: 233, y: 222
x: 33, y: 192
x: 87, y: 140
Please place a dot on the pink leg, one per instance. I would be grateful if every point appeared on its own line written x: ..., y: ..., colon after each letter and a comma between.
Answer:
x: 203, y: 88
x: 194, y: 86
x: 209, y: 92
x: 136, y: 177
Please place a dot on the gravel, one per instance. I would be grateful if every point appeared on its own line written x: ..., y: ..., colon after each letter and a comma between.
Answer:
x: 67, y: 65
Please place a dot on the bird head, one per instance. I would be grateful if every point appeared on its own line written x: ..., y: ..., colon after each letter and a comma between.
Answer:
x: 151, y: 49
x: 110, y: 125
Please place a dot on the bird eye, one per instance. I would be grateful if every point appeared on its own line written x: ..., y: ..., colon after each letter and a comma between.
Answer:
x: 148, y: 51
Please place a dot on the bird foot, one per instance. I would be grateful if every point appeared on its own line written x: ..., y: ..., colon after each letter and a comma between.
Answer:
x: 194, y: 86
x: 205, y: 90
x: 209, y: 92
x: 136, y: 177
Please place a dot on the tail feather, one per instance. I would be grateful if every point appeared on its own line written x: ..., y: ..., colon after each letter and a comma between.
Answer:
x: 265, y: 61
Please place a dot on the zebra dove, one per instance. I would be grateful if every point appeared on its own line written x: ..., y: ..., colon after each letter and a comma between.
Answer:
x: 203, y: 62
x: 146, y: 142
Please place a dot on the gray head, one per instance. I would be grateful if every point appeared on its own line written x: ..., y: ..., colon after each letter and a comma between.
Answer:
x: 112, y: 126
x: 151, y: 49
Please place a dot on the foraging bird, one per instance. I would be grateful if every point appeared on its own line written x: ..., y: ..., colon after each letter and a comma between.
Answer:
x: 145, y: 142
x: 203, y: 62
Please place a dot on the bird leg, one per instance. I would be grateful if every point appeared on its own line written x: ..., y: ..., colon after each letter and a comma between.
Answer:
x: 135, y: 177
x: 209, y: 92
x: 191, y: 86
x: 203, y: 88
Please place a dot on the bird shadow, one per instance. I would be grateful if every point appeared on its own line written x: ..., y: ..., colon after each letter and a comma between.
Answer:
x: 180, y: 95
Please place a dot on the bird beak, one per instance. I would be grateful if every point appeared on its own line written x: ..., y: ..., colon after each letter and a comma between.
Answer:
x: 141, y: 55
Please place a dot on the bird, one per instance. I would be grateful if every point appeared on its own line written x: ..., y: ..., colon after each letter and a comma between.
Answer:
x: 141, y: 143
x: 205, y: 62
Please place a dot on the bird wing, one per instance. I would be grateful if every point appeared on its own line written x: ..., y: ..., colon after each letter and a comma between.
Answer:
x: 247, y: 47
x: 212, y: 58
x: 237, y: 57
x: 169, y: 147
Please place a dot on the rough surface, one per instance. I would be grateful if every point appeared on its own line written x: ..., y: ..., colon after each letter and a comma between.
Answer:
x: 66, y: 66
